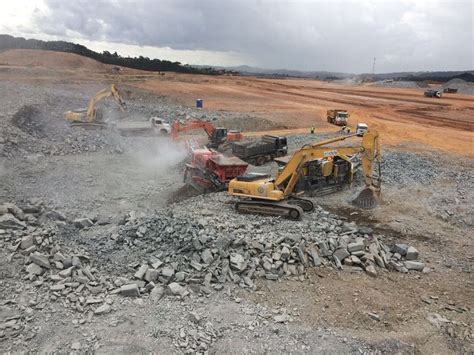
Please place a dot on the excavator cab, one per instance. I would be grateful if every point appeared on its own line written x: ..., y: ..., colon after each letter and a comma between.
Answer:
x: 219, y: 136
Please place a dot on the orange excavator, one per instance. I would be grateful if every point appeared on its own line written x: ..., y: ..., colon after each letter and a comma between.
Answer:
x: 217, y: 135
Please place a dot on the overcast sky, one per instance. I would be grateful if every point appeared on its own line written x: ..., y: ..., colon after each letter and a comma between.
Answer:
x: 404, y: 35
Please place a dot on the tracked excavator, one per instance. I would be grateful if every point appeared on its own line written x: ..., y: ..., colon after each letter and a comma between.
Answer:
x: 218, y: 136
x: 261, y: 194
x: 92, y: 116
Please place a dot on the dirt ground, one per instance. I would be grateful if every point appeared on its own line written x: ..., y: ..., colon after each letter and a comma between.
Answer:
x: 331, y: 311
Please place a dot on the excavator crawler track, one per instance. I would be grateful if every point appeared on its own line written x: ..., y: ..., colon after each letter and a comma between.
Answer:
x: 306, y: 205
x: 293, y: 212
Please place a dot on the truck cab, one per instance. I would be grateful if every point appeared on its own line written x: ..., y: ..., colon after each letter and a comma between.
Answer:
x: 361, y: 128
x: 433, y: 93
x: 160, y: 126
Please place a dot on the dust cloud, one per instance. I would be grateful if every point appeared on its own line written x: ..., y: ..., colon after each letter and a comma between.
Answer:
x: 160, y: 155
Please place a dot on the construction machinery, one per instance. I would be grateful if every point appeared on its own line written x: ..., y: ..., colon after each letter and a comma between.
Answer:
x: 361, y: 128
x: 217, y: 136
x: 337, y: 117
x: 434, y: 93
x: 262, y: 194
x: 92, y: 117
x: 209, y: 171
x: 323, y: 176
x: 154, y: 127
x: 260, y: 151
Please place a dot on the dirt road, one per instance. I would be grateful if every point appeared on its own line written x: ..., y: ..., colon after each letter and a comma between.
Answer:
x: 405, y: 116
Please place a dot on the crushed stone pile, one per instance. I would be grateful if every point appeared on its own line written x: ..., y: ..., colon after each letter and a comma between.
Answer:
x: 181, y: 250
x: 462, y: 86
x: 204, y: 247
x: 400, y: 84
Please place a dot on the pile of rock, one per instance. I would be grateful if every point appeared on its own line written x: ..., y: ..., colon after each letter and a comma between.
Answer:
x: 65, y: 275
x: 203, y: 249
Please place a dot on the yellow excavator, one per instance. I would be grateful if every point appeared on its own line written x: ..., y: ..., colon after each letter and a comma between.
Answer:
x: 92, y: 116
x: 260, y: 194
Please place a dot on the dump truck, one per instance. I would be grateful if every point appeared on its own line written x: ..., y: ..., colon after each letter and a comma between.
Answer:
x: 450, y: 90
x: 338, y: 117
x: 433, y: 93
x: 262, y: 150
x: 155, y: 126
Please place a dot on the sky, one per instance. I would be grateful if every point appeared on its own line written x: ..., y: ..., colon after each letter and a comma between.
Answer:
x: 337, y: 35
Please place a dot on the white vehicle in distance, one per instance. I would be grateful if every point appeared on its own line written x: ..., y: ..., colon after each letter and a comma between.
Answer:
x: 361, y: 129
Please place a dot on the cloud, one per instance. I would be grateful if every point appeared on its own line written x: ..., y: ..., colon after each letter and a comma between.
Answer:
x: 308, y: 35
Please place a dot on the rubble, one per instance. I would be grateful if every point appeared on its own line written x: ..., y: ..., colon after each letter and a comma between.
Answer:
x: 9, y: 221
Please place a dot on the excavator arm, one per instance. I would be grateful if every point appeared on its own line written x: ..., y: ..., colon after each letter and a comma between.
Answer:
x: 191, y: 125
x: 268, y: 196
x: 91, y: 112
x: 369, y: 151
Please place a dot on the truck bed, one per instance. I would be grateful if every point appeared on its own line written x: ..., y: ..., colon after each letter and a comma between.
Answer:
x: 137, y: 128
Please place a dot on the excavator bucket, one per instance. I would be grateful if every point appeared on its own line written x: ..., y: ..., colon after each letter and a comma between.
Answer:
x: 368, y: 198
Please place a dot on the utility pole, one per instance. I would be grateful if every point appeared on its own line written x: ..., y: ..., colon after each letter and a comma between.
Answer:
x: 373, y: 67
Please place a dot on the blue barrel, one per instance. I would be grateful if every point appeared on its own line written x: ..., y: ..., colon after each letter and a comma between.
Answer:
x: 198, y: 103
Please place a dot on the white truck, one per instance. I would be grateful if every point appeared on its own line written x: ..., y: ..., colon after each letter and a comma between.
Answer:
x: 154, y: 127
x: 361, y: 128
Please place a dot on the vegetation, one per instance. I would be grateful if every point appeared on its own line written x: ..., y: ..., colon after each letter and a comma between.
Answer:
x: 142, y: 63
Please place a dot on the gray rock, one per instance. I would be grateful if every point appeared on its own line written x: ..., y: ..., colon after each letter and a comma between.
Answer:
x: 151, y: 275
x: 194, y: 317
x: 177, y: 290
x: 105, y: 308
x: 34, y: 269
x: 206, y: 256
x: 397, y: 266
x: 356, y: 246
x: 67, y: 272
x: 130, y: 290
x: 57, y: 287
x: 27, y: 241
x: 167, y: 272
x: 15, y: 210
x: 414, y: 265
x: 285, y: 253
x: 314, y: 255
x: 179, y: 276
x: 3, y: 210
x: 281, y: 318
x: 82, y: 223
x: 302, y: 256
x: 341, y: 253
x: 157, y: 293
x: 141, y: 272
x: 9, y: 221
x: 400, y: 249
x: 370, y: 270
x: 412, y: 254
x: 56, y: 215
x: 194, y: 264
x: 237, y: 262
x: 41, y: 260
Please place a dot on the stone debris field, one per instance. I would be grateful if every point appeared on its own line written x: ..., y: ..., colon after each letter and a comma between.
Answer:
x: 102, y: 251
